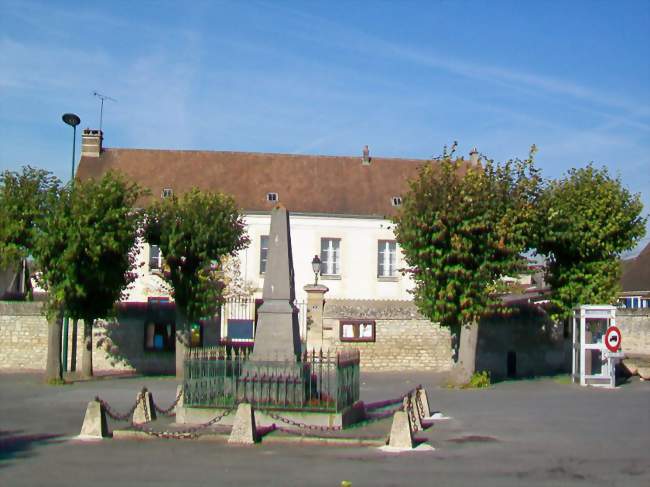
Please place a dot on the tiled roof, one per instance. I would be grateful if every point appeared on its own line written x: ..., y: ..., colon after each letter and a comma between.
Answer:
x: 636, y: 272
x: 304, y: 183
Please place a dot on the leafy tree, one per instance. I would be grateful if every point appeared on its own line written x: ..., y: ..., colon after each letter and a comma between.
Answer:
x: 588, y: 220
x: 26, y: 198
x: 195, y: 232
x: 86, y: 249
x: 461, y: 228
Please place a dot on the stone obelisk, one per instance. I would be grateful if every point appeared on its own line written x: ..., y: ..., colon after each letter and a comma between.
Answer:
x: 277, y: 337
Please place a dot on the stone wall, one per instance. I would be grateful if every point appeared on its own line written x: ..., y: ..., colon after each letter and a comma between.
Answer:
x: 118, y: 344
x: 524, y: 344
x: 23, y: 336
x: 404, y: 340
x: 635, y: 330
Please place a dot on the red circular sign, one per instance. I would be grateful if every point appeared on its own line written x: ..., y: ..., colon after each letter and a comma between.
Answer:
x: 613, y: 339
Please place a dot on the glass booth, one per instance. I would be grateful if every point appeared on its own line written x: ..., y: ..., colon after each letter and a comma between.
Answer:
x: 593, y: 364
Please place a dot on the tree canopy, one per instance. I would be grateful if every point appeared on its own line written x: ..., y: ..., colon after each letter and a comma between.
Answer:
x: 461, y: 228
x: 25, y: 199
x: 86, y: 246
x: 587, y: 220
x: 194, y: 232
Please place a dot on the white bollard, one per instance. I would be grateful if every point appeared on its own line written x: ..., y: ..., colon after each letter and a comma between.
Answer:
x: 144, y: 411
x: 94, y: 425
x: 243, y: 430
x: 401, y: 435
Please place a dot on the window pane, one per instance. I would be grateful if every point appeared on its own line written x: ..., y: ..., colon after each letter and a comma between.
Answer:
x: 154, y: 257
x: 386, y: 258
x: 264, y: 252
x: 330, y: 256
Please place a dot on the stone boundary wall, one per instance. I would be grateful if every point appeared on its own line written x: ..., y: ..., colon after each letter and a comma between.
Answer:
x: 118, y: 345
x: 404, y: 340
x: 635, y: 330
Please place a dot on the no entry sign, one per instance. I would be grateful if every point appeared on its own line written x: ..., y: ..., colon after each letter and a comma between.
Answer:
x: 613, y: 339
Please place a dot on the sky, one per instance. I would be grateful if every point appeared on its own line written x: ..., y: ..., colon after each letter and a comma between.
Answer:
x: 327, y: 77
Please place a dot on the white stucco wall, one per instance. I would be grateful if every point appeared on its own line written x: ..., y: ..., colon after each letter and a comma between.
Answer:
x: 358, y: 276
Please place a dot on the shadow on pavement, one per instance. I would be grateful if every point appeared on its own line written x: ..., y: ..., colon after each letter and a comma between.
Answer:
x: 15, y: 445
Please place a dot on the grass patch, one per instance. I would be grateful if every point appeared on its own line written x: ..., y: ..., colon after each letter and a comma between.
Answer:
x: 479, y: 380
x: 58, y: 382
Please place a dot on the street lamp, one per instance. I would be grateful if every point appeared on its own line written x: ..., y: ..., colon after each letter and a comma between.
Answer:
x: 315, y: 265
x: 72, y: 120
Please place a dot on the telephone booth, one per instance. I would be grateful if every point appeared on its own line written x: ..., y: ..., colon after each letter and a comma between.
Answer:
x: 593, y: 363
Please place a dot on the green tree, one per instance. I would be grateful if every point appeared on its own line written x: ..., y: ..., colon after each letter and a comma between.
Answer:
x: 195, y: 232
x: 86, y: 250
x: 25, y: 198
x: 461, y: 228
x: 588, y: 220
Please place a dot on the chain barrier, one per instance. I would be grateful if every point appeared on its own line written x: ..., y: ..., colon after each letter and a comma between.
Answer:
x: 169, y: 412
x: 418, y: 403
x: 111, y: 413
x: 187, y: 433
x: 309, y: 429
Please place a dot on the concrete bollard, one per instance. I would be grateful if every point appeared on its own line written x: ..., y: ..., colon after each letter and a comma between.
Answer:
x: 144, y: 412
x: 401, y: 435
x: 410, y: 408
x: 243, y: 430
x: 422, y: 398
x: 180, y: 405
x: 94, y: 425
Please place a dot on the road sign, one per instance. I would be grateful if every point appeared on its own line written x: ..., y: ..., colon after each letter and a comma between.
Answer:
x: 613, y: 338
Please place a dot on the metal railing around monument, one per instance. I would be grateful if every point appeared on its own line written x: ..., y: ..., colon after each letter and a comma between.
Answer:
x: 223, y: 377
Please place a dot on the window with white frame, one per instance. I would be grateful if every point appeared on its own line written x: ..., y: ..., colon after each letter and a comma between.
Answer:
x: 167, y: 193
x: 155, y: 258
x: 387, y: 258
x: 264, y: 252
x: 330, y: 256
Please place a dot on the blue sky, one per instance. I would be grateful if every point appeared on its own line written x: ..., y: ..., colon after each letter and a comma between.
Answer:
x: 404, y: 77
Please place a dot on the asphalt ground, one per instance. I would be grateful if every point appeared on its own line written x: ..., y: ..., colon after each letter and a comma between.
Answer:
x: 529, y: 432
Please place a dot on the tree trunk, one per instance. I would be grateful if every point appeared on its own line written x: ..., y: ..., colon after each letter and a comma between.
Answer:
x: 73, y: 347
x: 182, y: 341
x: 466, y: 364
x: 87, y: 356
x: 53, y: 369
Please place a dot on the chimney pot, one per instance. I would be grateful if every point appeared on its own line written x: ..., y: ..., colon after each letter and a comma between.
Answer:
x: 91, y: 142
x: 473, y: 156
x: 365, y: 160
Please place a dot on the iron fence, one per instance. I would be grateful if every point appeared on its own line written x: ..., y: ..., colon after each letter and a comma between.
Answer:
x: 225, y: 376
x: 238, y: 318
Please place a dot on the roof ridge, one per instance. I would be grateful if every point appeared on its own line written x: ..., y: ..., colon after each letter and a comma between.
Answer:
x: 114, y: 149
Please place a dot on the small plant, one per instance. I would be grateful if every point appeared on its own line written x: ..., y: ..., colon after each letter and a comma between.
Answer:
x: 479, y: 380
x: 57, y: 382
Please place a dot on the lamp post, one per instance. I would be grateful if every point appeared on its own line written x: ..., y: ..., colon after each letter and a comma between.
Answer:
x: 315, y: 265
x: 72, y: 120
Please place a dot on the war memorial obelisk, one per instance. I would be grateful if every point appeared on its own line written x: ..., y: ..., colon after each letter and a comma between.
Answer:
x: 277, y: 337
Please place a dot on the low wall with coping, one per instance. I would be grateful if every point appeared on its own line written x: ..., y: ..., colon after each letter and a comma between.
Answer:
x: 118, y: 344
x: 403, y: 339
x: 635, y: 330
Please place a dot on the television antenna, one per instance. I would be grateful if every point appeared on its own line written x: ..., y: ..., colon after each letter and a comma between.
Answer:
x: 101, y: 109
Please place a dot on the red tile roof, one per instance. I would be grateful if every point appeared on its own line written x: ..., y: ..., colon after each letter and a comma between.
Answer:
x: 636, y: 272
x: 304, y: 183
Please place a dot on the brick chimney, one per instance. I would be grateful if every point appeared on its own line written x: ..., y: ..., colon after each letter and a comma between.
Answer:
x: 365, y: 160
x: 91, y: 142
x: 473, y: 157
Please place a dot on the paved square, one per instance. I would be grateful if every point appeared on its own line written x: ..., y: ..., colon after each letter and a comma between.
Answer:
x: 536, y: 432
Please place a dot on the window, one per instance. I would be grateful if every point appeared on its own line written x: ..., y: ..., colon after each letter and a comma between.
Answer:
x: 387, y: 258
x: 167, y: 193
x: 196, y: 335
x: 330, y: 256
x: 155, y: 258
x: 357, y: 330
x: 396, y: 201
x: 159, y: 337
x: 264, y: 252
x: 271, y: 196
